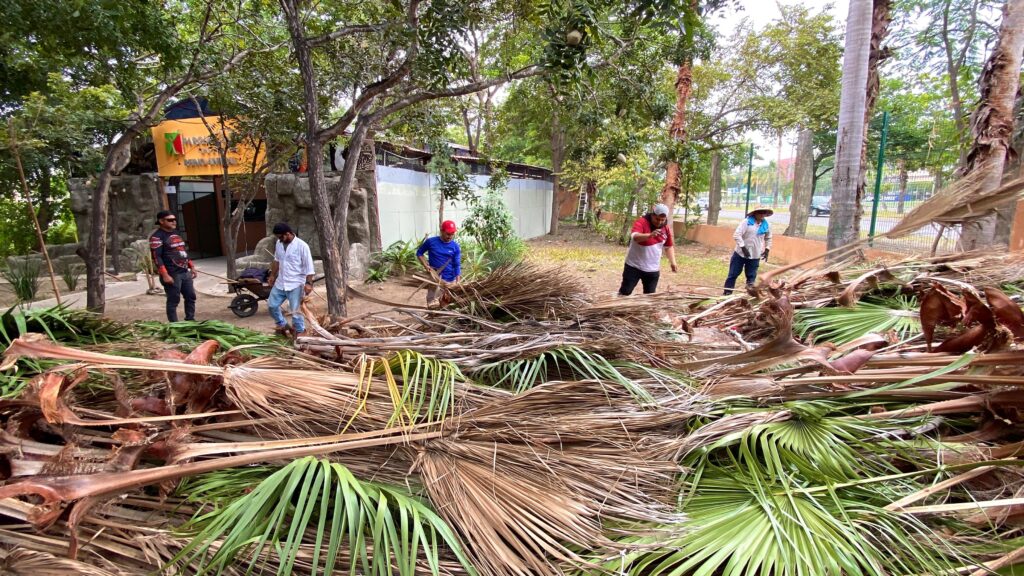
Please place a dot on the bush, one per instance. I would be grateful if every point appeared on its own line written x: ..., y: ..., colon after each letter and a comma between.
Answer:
x: 70, y: 272
x: 23, y: 275
x: 397, y: 260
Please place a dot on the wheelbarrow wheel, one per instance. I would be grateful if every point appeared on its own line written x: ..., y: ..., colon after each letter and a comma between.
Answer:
x: 244, y: 305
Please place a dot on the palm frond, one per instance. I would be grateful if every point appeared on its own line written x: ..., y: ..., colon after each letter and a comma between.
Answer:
x: 565, y: 363
x: 311, y: 501
x: 197, y: 332
x: 745, y: 525
x: 840, y: 325
x: 422, y: 388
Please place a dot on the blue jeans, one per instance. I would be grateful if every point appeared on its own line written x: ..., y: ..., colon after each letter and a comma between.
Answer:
x: 181, y: 285
x: 740, y: 264
x: 294, y: 298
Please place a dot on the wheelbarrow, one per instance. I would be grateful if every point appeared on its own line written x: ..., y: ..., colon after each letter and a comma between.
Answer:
x: 248, y: 293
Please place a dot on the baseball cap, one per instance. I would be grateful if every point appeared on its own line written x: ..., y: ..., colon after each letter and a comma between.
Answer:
x: 660, y: 209
x: 448, y: 227
x: 282, y: 228
x: 163, y: 214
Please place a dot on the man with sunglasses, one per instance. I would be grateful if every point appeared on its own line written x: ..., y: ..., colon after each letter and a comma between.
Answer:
x: 170, y: 257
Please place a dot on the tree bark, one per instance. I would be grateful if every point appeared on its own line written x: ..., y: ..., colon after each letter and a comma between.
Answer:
x: 992, y: 121
x: 557, y: 153
x: 677, y: 133
x: 45, y: 207
x: 715, y: 197
x: 880, y: 18
x: 904, y: 176
x: 843, y: 227
x: 778, y: 172
x: 325, y: 225
x: 372, y: 207
x: 803, y: 182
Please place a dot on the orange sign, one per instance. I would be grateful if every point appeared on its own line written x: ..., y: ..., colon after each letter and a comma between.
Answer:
x: 186, y: 148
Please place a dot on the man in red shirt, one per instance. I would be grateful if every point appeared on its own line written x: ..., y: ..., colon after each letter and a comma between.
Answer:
x: 651, y: 233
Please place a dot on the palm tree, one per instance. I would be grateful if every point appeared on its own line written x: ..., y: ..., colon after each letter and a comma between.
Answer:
x: 992, y: 121
x: 843, y: 224
x: 842, y: 227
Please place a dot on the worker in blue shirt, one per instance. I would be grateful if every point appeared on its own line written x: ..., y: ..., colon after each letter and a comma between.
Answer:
x: 442, y: 256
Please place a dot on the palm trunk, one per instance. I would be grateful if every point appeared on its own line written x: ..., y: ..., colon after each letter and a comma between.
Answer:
x: 903, y: 177
x: 677, y: 132
x: 715, y: 197
x: 992, y: 121
x: 557, y: 153
x: 880, y: 18
x: 803, y: 176
x: 326, y: 230
x: 843, y: 227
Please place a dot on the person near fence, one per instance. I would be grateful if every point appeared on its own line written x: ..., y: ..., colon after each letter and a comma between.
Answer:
x: 176, y: 270
x: 651, y: 234
x: 441, y: 256
x: 753, y: 239
x: 291, y: 275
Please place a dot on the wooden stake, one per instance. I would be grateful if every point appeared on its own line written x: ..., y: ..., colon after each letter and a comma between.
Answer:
x: 32, y: 208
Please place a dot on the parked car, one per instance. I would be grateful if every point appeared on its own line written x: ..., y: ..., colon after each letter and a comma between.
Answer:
x: 821, y: 206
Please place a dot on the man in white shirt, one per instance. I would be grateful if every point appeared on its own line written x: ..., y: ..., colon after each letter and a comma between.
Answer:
x: 291, y: 275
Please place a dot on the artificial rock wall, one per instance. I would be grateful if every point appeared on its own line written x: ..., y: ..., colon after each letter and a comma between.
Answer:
x: 134, y: 202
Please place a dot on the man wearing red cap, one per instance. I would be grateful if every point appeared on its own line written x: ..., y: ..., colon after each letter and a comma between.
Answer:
x: 441, y: 255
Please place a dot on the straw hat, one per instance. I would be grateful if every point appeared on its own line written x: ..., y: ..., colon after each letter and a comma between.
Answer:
x: 762, y: 208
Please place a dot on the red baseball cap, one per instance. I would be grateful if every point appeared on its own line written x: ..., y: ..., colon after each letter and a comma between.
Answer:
x: 448, y: 227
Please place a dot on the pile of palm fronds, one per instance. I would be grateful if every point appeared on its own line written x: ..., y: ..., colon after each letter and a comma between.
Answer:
x: 841, y: 422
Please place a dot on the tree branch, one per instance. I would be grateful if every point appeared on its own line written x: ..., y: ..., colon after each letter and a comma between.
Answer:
x: 317, y: 41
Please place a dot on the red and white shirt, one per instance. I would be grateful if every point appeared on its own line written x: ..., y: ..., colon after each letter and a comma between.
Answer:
x: 646, y: 255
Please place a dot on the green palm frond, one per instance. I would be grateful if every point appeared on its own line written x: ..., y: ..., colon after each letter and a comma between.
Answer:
x: 744, y: 525
x: 840, y: 325
x: 567, y: 363
x: 195, y: 332
x: 222, y: 486
x: 812, y: 441
x: 318, y: 503
x: 422, y: 388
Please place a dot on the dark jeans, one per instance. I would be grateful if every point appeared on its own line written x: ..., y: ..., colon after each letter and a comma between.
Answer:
x: 740, y: 264
x: 182, y: 286
x: 630, y: 277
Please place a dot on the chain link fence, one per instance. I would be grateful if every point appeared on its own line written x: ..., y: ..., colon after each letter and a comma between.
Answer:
x: 900, y: 189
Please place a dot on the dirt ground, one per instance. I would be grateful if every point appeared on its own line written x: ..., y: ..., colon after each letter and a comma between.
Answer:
x: 578, y: 251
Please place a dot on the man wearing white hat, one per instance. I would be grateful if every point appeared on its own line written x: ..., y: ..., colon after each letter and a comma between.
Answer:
x: 651, y: 233
x: 753, y: 243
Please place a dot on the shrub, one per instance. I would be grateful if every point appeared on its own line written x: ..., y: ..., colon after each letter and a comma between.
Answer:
x: 23, y: 275
x: 70, y: 272
x: 397, y: 260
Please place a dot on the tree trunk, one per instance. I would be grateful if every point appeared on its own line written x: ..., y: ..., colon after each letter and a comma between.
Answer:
x: 992, y: 121
x: 677, y: 133
x: 115, y: 246
x: 557, y: 154
x: 803, y: 176
x: 844, y: 225
x: 880, y: 18
x: 715, y: 197
x: 778, y: 172
x: 627, y: 218
x: 953, y: 77
x: 45, y: 206
x: 903, y: 177
x: 326, y: 230
x: 372, y: 207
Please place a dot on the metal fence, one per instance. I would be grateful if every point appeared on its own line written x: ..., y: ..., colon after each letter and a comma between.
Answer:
x: 898, y: 190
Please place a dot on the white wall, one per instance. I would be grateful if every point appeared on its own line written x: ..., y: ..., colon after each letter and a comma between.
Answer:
x: 408, y: 205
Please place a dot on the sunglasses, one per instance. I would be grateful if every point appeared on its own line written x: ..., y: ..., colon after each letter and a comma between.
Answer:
x: 170, y: 219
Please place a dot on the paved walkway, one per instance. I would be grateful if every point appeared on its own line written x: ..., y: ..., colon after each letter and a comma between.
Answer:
x: 209, y: 282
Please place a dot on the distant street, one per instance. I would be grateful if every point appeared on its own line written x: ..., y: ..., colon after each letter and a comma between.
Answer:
x: 780, y: 221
